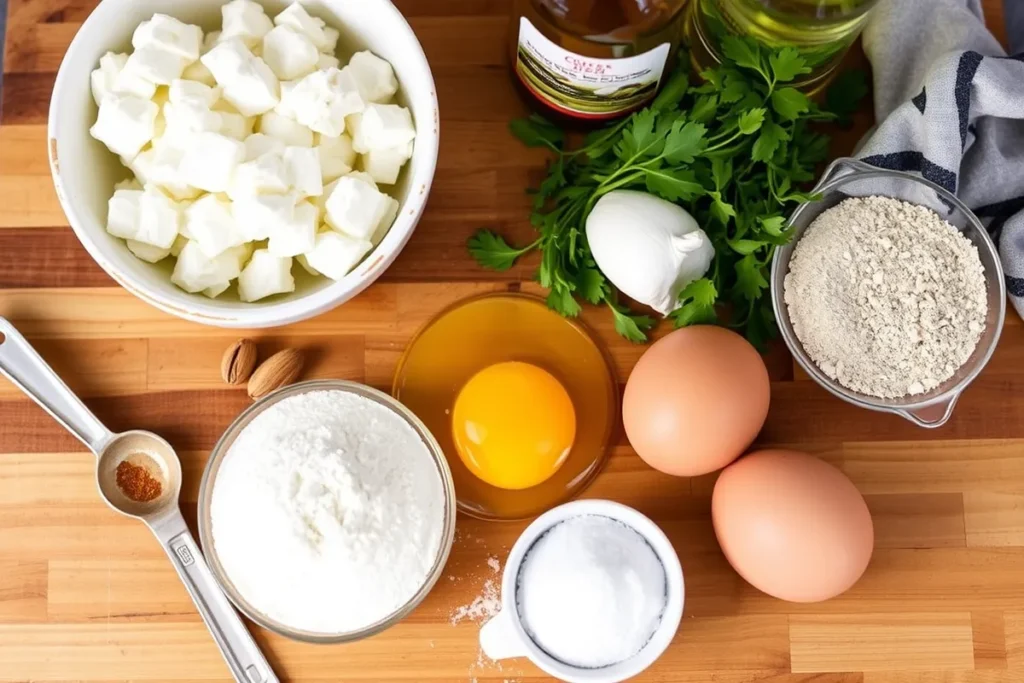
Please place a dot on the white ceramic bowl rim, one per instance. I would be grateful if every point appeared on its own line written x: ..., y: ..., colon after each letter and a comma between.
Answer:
x: 670, y: 619
x: 67, y: 92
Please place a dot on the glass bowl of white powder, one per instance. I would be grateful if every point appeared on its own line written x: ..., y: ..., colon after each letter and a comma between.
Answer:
x: 890, y: 293
x: 327, y: 511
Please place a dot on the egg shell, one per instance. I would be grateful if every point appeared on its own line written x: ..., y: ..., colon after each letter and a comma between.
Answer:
x: 792, y: 525
x: 695, y: 400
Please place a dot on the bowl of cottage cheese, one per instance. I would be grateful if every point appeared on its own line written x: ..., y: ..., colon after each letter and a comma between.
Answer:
x: 244, y: 163
x: 327, y: 511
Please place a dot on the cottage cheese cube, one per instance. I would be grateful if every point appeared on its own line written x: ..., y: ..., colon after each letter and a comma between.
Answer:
x: 154, y: 65
x: 296, y: 17
x: 336, y: 254
x: 245, y: 20
x: 265, y: 174
x: 209, y: 161
x: 169, y: 35
x: 217, y: 290
x: 258, y: 144
x: 249, y: 84
x: 355, y: 207
x: 288, y: 53
x: 354, y: 128
x: 159, y: 219
x: 210, y: 41
x: 331, y: 36
x: 364, y: 177
x: 288, y: 131
x: 194, y: 93
x: 160, y: 165
x: 321, y: 203
x: 283, y: 107
x: 297, y: 236
x: 194, y: 271
x: 197, y: 71
x: 374, y: 76
x: 265, y: 275
x: 179, y: 243
x: 327, y: 62
x: 303, y: 167
x: 147, y: 252
x: 235, y: 125
x: 125, y: 124
x: 185, y: 119
x: 383, y: 165
x: 211, y: 224
x: 323, y: 99
x: 386, y: 221
x: 104, y: 79
x: 123, y: 213
x: 304, y: 262
x: 336, y: 156
x: 258, y: 215
x: 386, y: 126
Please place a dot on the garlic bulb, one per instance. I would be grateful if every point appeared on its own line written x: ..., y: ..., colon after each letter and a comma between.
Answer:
x: 649, y: 248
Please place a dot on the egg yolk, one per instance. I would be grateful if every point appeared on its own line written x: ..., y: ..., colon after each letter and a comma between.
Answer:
x: 513, y: 425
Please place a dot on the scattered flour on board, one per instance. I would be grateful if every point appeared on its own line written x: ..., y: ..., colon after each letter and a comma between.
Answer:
x: 486, y: 604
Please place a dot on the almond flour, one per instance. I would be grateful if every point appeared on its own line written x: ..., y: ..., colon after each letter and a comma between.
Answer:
x: 887, y: 298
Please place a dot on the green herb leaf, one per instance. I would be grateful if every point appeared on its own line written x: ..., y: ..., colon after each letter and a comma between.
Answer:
x: 750, y: 280
x: 787, y: 64
x: 721, y: 172
x: 735, y: 88
x: 673, y: 184
x: 789, y: 103
x: 639, y: 135
x: 536, y: 131
x: 751, y: 121
x: 632, y: 327
x: 684, y: 142
x: 768, y: 141
x: 697, y: 304
x: 773, y: 225
x: 743, y: 51
x: 491, y: 251
x: 561, y: 301
x: 721, y: 210
x: 746, y: 246
x: 590, y: 283
x: 673, y: 92
x: 704, y: 109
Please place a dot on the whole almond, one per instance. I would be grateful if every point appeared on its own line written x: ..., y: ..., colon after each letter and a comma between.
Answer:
x: 278, y: 371
x: 238, y: 361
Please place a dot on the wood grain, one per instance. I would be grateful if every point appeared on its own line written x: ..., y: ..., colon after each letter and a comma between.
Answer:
x: 86, y: 595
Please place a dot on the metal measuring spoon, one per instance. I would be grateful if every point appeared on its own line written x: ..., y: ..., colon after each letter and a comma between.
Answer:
x: 22, y: 365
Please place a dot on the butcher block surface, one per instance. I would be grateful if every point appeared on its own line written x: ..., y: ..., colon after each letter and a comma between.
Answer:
x: 87, y: 595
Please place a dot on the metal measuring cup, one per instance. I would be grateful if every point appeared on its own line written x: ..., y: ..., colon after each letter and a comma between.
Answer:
x: 20, y: 363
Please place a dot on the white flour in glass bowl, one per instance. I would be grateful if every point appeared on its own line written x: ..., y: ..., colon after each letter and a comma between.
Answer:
x: 327, y: 512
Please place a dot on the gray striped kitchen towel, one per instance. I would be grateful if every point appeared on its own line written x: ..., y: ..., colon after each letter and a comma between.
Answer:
x: 951, y: 106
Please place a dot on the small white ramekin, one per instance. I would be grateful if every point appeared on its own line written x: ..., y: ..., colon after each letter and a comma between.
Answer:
x: 84, y: 171
x: 504, y: 636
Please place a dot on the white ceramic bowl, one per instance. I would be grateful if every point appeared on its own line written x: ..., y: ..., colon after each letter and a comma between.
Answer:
x: 84, y: 171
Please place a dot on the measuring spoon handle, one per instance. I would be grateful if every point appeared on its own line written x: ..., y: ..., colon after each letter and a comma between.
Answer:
x: 20, y: 363
x: 240, y: 651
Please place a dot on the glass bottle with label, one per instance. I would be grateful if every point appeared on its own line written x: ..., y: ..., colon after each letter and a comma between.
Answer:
x: 593, y: 60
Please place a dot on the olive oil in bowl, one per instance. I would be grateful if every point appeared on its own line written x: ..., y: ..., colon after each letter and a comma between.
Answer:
x: 822, y: 30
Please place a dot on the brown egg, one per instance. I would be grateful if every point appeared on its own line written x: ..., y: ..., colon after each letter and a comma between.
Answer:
x: 696, y: 400
x: 792, y: 525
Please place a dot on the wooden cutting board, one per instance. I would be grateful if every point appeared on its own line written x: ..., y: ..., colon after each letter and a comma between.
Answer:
x: 86, y: 595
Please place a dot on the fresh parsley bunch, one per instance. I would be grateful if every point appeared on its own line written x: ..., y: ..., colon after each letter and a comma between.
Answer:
x: 733, y: 151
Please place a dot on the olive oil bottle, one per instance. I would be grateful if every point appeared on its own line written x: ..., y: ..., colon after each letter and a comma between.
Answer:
x: 585, y: 61
x: 822, y: 30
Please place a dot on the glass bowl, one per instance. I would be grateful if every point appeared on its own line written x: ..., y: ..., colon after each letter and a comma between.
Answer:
x: 206, y: 495
x: 846, y: 178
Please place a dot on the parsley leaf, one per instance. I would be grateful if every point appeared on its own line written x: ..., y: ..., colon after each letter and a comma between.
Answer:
x: 536, y: 131
x: 639, y: 136
x: 771, y: 135
x: 673, y: 185
x: 704, y: 109
x: 632, y: 327
x: 750, y: 281
x: 789, y: 103
x: 684, y: 142
x: 787, y: 64
x: 560, y: 299
x: 743, y: 51
x: 751, y: 121
x: 492, y: 251
x: 591, y: 284
x: 697, y: 304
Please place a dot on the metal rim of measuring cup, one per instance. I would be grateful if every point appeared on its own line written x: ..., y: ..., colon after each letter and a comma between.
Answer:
x: 220, y: 451
x: 832, y: 179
